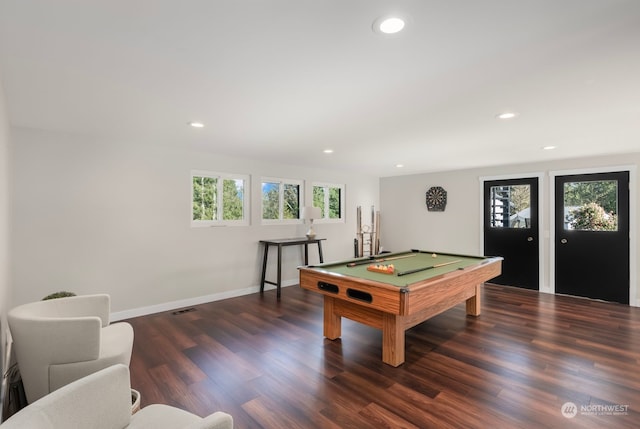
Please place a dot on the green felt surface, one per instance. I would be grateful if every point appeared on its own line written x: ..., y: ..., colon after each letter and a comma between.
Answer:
x: 420, y: 260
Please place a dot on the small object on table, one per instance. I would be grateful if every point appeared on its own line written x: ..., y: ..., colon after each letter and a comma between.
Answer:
x: 434, y: 255
x: 310, y: 213
x: 384, y: 269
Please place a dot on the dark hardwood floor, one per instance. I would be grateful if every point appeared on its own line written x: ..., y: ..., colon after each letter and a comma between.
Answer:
x: 267, y: 363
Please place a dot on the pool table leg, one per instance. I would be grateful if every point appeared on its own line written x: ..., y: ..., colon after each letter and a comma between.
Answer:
x: 332, y: 321
x: 392, y: 339
x: 473, y: 303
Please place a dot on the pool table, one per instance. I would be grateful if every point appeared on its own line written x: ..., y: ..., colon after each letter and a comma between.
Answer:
x: 422, y: 285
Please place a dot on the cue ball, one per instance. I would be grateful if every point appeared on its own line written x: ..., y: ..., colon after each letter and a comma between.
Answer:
x: 434, y: 256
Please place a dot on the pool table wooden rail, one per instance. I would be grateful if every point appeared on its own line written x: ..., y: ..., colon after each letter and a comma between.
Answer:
x: 384, y: 297
x: 449, y: 289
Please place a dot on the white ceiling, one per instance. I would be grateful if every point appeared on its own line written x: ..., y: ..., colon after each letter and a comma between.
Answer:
x: 284, y: 79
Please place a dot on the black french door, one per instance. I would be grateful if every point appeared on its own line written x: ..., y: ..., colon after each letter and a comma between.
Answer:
x: 511, y: 230
x: 592, y: 236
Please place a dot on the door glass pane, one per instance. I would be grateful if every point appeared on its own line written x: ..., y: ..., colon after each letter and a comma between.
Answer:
x: 591, y: 205
x: 510, y: 206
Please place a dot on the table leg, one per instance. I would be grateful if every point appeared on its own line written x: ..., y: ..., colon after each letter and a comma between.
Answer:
x: 264, y: 267
x: 320, y: 251
x: 392, y: 340
x: 306, y: 254
x: 473, y: 303
x: 332, y: 321
x: 279, y: 271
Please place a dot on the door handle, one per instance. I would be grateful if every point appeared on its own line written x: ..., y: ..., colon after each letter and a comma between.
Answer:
x: 529, y: 238
x: 563, y: 241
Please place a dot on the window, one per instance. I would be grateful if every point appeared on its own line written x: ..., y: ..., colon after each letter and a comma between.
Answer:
x: 281, y: 200
x: 511, y: 206
x: 330, y: 199
x: 591, y: 206
x: 218, y: 199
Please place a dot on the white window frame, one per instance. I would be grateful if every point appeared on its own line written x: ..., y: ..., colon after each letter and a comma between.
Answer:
x: 220, y: 177
x: 282, y: 182
x: 325, y: 215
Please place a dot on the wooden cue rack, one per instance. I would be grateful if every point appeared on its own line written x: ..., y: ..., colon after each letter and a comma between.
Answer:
x: 367, y: 241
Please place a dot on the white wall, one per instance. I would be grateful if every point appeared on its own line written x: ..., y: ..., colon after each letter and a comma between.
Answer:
x: 406, y: 223
x: 5, y: 292
x: 93, y: 217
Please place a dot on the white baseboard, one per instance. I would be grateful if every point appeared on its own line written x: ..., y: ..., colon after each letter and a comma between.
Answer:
x: 173, y: 305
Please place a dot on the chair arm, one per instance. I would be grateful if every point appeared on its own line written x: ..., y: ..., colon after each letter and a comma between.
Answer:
x: 217, y: 420
x: 100, y: 400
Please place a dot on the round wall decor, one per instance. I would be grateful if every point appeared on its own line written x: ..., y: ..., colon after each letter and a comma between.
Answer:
x: 436, y: 198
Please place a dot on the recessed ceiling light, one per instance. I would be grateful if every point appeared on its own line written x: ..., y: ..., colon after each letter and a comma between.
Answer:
x: 391, y: 25
x: 399, y: 165
x: 196, y: 124
x: 328, y: 151
x: 507, y: 115
x: 388, y: 25
x: 549, y: 147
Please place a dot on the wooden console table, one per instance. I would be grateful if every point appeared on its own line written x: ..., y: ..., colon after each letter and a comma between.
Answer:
x: 280, y: 243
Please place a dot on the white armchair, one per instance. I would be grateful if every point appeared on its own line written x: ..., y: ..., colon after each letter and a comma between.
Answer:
x: 61, y: 340
x: 102, y: 400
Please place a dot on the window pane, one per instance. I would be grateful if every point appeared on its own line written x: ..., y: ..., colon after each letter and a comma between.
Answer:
x: 204, y: 198
x: 591, y: 206
x: 270, y: 200
x: 232, y: 200
x: 334, y: 203
x: 511, y: 206
x: 291, y: 209
x: 318, y: 198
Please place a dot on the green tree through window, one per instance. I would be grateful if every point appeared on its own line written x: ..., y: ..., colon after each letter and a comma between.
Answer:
x: 602, y: 192
x: 270, y: 200
x: 594, y: 205
x: 318, y: 198
x: 329, y: 198
x: 335, y: 203
x: 233, y: 199
x: 204, y: 202
x: 218, y: 198
x: 281, y: 199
